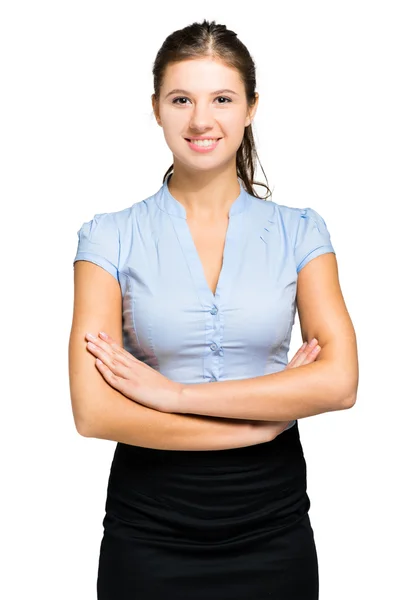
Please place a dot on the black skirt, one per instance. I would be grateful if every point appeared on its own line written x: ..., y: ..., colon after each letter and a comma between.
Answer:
x: 204, y: 525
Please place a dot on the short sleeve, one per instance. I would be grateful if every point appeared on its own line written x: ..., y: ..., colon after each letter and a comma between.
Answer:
x: 312, y: 237
x: 98, y: 242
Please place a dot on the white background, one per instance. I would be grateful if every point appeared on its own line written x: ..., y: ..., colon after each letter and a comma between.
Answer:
x: 337, y: 130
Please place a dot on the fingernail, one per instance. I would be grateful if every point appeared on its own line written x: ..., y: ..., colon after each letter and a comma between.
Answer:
x: 313, y: 342
x: 103, y: 334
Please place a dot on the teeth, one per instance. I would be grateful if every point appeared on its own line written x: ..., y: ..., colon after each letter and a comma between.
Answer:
x: 204, y: 142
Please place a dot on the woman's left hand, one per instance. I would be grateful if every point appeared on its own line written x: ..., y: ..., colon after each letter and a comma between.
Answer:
x: 133, y: 378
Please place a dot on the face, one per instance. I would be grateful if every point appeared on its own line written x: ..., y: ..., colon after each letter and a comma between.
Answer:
x: 210, y: 102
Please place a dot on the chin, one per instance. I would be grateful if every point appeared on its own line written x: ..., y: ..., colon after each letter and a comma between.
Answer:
x: 203, y: 162
x: 199, y: 163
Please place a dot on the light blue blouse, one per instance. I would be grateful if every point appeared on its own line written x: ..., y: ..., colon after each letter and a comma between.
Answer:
x: 171, y: 319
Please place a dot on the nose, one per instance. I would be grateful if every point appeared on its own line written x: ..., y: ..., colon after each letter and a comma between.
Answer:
x: 201, y: 118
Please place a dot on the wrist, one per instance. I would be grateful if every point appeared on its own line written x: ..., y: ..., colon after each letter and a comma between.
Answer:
x: 178, y: 401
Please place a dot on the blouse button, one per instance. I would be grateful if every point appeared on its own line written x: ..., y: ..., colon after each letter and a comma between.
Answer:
x: 214, y: 311
x: 221, y: 352
x: 213, y: 346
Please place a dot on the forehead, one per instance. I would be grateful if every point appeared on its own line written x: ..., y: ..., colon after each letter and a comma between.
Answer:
x: 202, y: 74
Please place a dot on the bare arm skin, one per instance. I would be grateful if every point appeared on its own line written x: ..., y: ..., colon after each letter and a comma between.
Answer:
x: 102, y: 412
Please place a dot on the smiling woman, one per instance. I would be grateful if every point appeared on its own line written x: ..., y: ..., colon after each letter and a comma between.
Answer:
x: 214, y: 102
x: 197, y: 286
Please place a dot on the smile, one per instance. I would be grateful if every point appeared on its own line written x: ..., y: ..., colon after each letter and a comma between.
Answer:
x: 203, y: 145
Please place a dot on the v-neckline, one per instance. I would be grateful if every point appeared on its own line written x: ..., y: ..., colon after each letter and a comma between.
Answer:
x: 230, y: 261
x: 197, y: 264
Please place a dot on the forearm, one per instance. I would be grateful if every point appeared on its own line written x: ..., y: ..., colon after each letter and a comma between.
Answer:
x: 119, y: 419
x: 290, y: 394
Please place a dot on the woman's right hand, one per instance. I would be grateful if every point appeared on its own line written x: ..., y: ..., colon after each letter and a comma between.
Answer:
x: 306, y: 354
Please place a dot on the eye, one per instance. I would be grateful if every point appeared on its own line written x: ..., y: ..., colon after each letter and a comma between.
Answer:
x: 180, y: 98
x: 176, y: 100
x: 225, y: 98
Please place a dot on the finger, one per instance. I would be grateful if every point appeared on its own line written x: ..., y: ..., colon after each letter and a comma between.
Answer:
x: 308, y: 354
x: 298, y: 353
x: 301, y: 356
x: 112, y: 350
x: 301, y: 349
x: 118, y: 383
x: 311, y: 356
x: 118, y: 349
x: 109, y: 360
x: 107, y: 373
x: 123, y: 385
x: 314, y: 351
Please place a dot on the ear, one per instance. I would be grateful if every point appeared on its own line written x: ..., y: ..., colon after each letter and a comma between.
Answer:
x: 252, y: 110
x: 155, y: 109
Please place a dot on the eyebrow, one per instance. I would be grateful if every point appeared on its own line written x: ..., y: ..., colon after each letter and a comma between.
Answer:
x: 179, y: 91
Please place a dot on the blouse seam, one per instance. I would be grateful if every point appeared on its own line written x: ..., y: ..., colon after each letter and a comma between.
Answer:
x: 301, y: 212
x: 133, y: 308
x: 327, y: 246
x: 100, y: 260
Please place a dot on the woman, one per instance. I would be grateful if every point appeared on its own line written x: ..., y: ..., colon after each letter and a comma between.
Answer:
x: 195, y: 289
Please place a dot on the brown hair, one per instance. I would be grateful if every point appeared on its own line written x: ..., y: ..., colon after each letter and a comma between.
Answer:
x: 210, y: 39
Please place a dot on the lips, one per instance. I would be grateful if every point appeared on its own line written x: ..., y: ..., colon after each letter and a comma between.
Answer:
x: 202, y: 139
x: 203, y: 148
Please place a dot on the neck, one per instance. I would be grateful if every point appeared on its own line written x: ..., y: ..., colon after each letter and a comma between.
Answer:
x: 205, y: 195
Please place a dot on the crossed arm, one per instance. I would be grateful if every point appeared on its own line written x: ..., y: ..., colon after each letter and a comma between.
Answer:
x: 330, y: 383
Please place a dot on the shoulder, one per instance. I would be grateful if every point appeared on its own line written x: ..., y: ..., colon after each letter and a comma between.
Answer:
x: 310, y: 235
x: 104, y: 238
x: 291, y: 216
x: 288, y: 217
x: 114, y: 223
x: 304, y: 228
